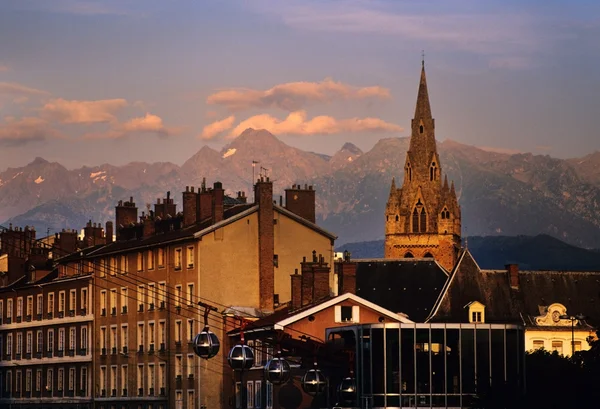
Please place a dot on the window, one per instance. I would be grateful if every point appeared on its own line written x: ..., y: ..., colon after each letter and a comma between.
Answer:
x: 71, y: 379
x: 178, y: 400
x: 113, y: 380
x: 40, y: 342
x: 113, y: 301
x: 476, y: 316
x: 558, y: 347
x: 29, y: 343
x: 151, y: 335
x: 538, y: 344
x: 162, y: 375
x: 162, y: 291
x: 190, y: 400
x: 160, y: 256
x: 151, y: 379
x: 19, y: 307
x: 423, y: 221
x: 61, y: 379
x: 49, y: 379
x: 83, y: 380
x: 409, y: 172
x: 140, y: 298
x: 577, y: 346
x: 140, y: 335
x: 124, y: 300
x: 178, y: 331
x: 9, y: 342
x: 269, y: 395
x: 190, y: 330
x: 18, y: 381
x: 8, y: 381
x: 347, y: 313
x: 140, y: 377
x: 476, y: 312
x: 84, y: 299
x: 61, y: 339
x: 124, y: 338
x: 177, y: 259
x: 190, y: 294
x: 124, y: 265
x: 190, y: 365
x: 72, y: 300
x: 420, y: 128
x: 103, y: 381
x: 28, y: 380
x: 50, y: 340
x: 72, y: 338
x: 9, y: 308
x: 140, y: 261
x: 178, y: 295
x: 39, y: 305
x: 113, y: 267
x: 408, y: 255
x: 50, y: 303
x: 84, y: 337
x: 38, y: 380
x: 433, y: 172
x: 190, y: 257
x: 178, y: 365
x: 113, y: 338
x: 124, y: 379
x: 103, y: 302
x: 151, y: 295
x: 103, y: 338
x: 1, y: 309
x: 29, y: 307
x: 61, y: 301
x: 19, y: 348
x: 163, y: 333
x: 415, y: 221
x: 150, y: 259
x: 258, y: 394
x: 238, y: 395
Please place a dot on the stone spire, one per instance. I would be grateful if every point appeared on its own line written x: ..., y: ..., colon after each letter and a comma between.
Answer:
x: 423, y: 109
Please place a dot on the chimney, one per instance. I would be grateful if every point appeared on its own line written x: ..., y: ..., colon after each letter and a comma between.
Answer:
x: 204, y: 203
x: 126, y: 213
x: 169, y: 206
x: 109, y: 232
x: 513, y: 275
x: 346, y: 273
x: 241, y: 197
x: 159, y: 209
x: 308, y: 284
x: 148, y: 227
x: 263, y: 196
x: 190, y: 202
x: 321, y: 279
x: 301, y: 202
x: 296, y: 290
x: 218, y: 195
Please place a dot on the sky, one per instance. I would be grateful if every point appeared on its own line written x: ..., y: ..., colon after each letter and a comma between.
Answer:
x: 114, y: 81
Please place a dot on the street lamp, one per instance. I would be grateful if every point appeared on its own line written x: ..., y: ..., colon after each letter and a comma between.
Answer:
x: 572, y: 318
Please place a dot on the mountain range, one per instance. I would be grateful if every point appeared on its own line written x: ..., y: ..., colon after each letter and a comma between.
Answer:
x: 500, y: 194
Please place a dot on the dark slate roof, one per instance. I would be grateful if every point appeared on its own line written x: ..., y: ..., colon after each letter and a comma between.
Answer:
x: 579, y: 292
x: 409, y: 286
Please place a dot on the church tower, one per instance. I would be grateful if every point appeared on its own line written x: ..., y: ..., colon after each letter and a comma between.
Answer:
x: 422, y: 218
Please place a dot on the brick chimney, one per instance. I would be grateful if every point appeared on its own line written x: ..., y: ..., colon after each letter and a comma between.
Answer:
x: 170, y: 206
x: 301, y: 201
x: 109, y: 232
x: 159, y: 209
x: 148, y: 226
x: 263, y: 196
x: 204, y: 203
x: 126, y: 213
x: 241, y: 197
x: 218, y: 195
x: 513, y: 275
x: 190, y: 203
x: 346, y: 273
x: 296, y: 290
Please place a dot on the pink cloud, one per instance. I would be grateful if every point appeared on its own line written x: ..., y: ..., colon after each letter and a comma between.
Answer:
x: 18, y: 132
x: 82, y: 112
x: 216, y: 128
x: 292, y: 96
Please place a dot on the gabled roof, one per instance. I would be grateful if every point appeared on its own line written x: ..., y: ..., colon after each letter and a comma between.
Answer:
x: 579, y: 292
x: 336, y: 300
x: 305, y: 222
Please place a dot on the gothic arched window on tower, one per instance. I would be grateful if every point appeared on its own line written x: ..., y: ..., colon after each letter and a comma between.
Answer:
x: 428, y: 255
x: 408, y: 255
x: 415, y: 221
x: 396, y: 217
x: 421, y: 129
x: 445, y: 214
x: 433, y: 172
x: 423, y: 222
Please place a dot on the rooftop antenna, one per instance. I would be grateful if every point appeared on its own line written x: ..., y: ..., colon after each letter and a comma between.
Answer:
x: 254, y: 162
x: 264, y: 172
x: 423, y: 58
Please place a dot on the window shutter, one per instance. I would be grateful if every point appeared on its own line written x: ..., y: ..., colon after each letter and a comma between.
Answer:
x: 355, y: 313
x: 338, y: 313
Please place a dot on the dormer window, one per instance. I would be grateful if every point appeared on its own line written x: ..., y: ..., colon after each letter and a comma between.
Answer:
x: 476, y: 311
x: 347, y: 313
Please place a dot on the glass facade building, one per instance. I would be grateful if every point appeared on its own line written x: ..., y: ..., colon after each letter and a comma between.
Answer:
x: 431, y: 365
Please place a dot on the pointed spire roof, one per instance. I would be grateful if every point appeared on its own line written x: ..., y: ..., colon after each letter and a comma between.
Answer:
x: 423, y: 109
x: 393, y: 188
x: 446, y: 182
x: 452, y: 191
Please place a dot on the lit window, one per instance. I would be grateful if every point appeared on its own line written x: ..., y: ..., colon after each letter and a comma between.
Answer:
x: 177, y: 259
x: 557, y: 346
x: 190, y: 257
x: 538, y: 344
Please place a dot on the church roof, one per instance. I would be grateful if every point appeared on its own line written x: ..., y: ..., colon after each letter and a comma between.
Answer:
x: 409, y: 286
x: 423, y: 108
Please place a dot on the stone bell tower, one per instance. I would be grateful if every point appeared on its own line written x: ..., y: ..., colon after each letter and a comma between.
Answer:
x: 422, y: 218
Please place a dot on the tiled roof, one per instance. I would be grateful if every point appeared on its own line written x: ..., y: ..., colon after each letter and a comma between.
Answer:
x: 409, y: 286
